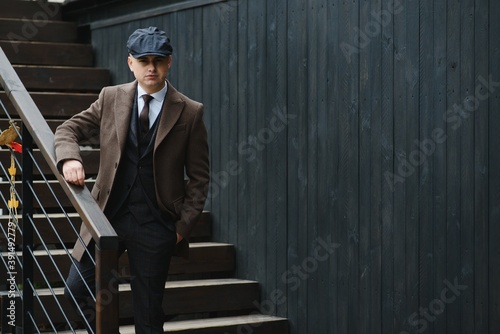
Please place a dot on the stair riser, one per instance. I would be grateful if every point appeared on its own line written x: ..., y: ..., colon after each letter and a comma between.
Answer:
x: 202, y: 230
x: 48, y: 54
x: 63, y: 79
x: 176, y: 301
x: 30, y: 9
x: 90, y: 160
x: 65, y: 229
x: 54, y: 105
x: 201, y: 260
x: 53, y: 124
x: 37, y: 31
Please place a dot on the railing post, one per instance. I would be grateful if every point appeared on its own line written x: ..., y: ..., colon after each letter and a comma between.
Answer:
x: 27, y: 229
x: 107, y: 317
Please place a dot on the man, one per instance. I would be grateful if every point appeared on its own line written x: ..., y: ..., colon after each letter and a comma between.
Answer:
x: 151, y: 136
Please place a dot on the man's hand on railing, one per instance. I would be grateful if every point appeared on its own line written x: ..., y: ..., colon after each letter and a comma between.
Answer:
x: 73, y: 172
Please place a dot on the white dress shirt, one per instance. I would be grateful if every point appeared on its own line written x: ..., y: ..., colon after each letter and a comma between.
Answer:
x: 155, y: 104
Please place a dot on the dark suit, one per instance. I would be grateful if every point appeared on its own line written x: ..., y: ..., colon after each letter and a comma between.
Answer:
x: 177, y: 146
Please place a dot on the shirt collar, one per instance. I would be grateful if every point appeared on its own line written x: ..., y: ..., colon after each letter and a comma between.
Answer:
x: 158, y: 96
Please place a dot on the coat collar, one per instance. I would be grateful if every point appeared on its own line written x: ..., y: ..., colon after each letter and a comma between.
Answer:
x: 124, y: 102
x: 172, y: 109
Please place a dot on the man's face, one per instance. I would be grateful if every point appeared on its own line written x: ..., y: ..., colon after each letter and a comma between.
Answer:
x: 150, y: 71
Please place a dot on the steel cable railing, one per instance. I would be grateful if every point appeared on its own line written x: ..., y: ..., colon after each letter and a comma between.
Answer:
x: 41, y: 285
x: 68, y: 253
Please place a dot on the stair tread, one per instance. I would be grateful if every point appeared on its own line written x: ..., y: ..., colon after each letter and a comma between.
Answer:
x: 212, y: 322
x: 58, y: 67
x: 186, y: 325
x: 169, y: 285
x: 59, y: 252
x: 75, y: 44
x: 23, y: 20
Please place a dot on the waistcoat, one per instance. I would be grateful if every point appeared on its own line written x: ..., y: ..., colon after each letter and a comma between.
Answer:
x: 134, y: 186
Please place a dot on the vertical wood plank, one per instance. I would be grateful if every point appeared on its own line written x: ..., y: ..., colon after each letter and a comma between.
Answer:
x: 439, y: 158
x: 233, y: 166
x: 329, y: 165
x: 426, y: 149
x: 412, y: 156
x: 276, y: 167
x: 242, y: 243
x: 375, y: 254
x: 481, y: 170
x: 494, y: 163
x: 453, y: 172
x: 468, y: 84
x: 256, y: 230
x: 212, y: 97
x: 222, y: 179
x: 389, y: 173
x: 315, y: 50
x: 365, y: 166
x: 297, y: 158
x: 348, y: 307
x: 401, y: 310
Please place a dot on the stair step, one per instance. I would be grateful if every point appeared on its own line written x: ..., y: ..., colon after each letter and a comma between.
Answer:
x: 30, y: 9
x: 53, y: 124
x: 181, y: 297
x: 37, y: 31
x: 54, y: 78
x: 253, y: 323
x: 43, y: 53
x: 90, y: 158
x: 55, y: 104
x: 44, y: 193
x: 50, y: 193
x: 204, y: 257
x: 63, y: 223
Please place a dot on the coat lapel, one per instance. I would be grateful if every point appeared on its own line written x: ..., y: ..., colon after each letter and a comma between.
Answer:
x: 124, y: 103
x: 172, y: 109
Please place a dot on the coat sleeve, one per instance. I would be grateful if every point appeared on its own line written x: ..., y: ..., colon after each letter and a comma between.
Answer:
x: 82, y: 126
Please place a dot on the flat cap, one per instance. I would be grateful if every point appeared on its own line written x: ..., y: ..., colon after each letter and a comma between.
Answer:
x: 149, y: 41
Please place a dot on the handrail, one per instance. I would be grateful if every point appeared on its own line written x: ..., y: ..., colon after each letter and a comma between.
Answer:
x: 102, y: 232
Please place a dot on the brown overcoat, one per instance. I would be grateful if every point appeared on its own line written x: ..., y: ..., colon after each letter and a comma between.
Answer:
x: 180, y: 149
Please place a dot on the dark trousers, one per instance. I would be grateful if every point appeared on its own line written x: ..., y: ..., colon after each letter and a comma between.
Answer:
x: 150, y: 247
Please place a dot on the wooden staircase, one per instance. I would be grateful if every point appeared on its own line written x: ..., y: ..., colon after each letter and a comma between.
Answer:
x: 200, y: 296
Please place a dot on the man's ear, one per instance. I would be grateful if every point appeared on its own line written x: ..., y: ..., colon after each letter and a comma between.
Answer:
x: 129, y: 62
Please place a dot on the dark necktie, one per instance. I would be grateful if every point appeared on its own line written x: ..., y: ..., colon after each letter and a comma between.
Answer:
x: 144, y: 115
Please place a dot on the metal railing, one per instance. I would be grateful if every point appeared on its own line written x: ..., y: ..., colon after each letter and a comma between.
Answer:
x: 36, y: 134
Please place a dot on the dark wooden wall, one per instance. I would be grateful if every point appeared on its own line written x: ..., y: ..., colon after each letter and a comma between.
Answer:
x: 376, y: 135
